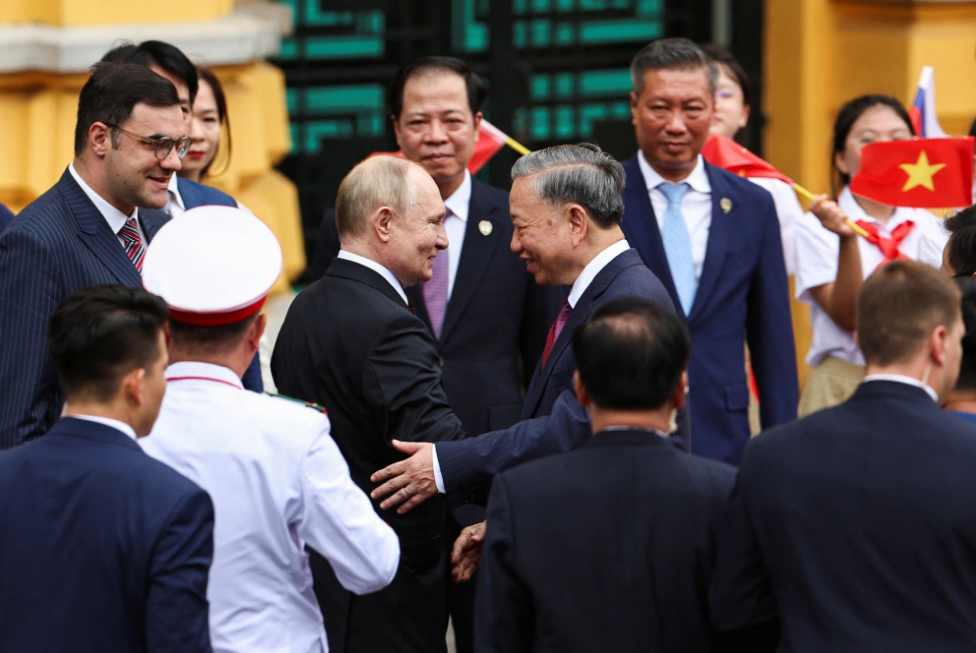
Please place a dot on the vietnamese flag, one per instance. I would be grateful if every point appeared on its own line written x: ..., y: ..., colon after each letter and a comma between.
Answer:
x: 723, y: 152
x: 930, y: 173
x: 490, y: 141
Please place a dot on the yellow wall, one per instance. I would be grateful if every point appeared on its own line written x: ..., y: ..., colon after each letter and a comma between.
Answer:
x: 821, y: 53
x: 110, y: 12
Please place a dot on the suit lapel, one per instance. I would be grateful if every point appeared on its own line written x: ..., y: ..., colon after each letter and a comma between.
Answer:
x: 642, y: 230
x: 152, y: 220
x: 96, y: 234
x: 476, y: 253
x: 720, y: 233
x: 416, y: 296
x: 189, y: 194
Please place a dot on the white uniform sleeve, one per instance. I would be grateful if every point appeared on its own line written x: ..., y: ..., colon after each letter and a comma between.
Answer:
x: 933, y: 240
x: 788, y: 210
x: 339, y: 521
x: 817, y: 251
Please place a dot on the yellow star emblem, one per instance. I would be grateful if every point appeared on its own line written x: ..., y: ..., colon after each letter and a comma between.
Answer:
x: 921, y: 172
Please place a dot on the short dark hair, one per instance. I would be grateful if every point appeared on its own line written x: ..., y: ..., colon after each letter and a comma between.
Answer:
x: 99, y: 334
x: 477, y: 91
x: 723, y: 57
x: 961, y: 247
x: 630, y: 354
x: 676, y: 53
x: 846, y: 117
x: 897, y: 308
x: 210, y: 339
x: 208, y: 76
x: 967, y: 368
x: 112, y: 91
x: 160, y: 54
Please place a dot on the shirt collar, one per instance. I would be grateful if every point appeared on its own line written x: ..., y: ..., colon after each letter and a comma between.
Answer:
x: 379, y: 269
x: 593, y: 268
x: 907, y: 380
x: 202, y: 371
x: 115, y: 218
x: 108, y: 421
x: 460, y: 200
x: 854, y: 211
x: 174, y: 192
x: 698, y: 179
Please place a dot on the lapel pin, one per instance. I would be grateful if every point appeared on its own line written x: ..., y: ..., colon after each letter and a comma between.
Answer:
x: 485, y: 227
x: 726, y: 204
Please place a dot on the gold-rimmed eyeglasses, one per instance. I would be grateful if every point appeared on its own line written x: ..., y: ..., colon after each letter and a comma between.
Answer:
x: 163, y: 146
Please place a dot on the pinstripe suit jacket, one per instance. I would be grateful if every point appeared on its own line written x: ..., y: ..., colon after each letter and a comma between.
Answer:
x: 58, y: 244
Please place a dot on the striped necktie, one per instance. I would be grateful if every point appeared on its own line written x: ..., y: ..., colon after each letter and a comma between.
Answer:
x: 135, y: 249
x: 435, y: 290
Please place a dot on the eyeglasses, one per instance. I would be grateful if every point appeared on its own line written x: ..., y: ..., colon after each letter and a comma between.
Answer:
x: 163, y: 146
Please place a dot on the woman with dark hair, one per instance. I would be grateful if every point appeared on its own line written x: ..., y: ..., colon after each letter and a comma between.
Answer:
x: 209, y: 116
x: 833, y: 261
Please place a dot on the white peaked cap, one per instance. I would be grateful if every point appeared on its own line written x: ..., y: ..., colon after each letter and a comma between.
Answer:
x: 213, y: 265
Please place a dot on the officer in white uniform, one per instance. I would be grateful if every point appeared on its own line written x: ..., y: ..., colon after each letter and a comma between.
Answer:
x: 276, y: 477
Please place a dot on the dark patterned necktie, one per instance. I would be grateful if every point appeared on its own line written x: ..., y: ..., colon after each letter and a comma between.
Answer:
x: 135, y: 249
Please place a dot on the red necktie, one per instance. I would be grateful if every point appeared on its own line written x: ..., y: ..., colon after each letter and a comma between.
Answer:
x: 888, y: 246
x: 555, y: 330
x: 134, y: 247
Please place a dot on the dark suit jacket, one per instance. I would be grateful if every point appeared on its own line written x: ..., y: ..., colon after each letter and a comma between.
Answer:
x: 555, y: 421
x: 58, y: 244
x: 195, y: 194
x: 606, y: 548
x: 743, y: 296
x: 497, y: 313
x: 6, y: 217
x: 856, y: 526
x: 104, y: 548
x: 350, y: 343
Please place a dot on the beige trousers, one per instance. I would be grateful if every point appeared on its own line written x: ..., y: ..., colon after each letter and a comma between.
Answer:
x: 831, y: 383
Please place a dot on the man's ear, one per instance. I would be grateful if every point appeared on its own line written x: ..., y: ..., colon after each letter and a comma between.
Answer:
x: 256, y: 330
x: 477, y: 124
x: 132, y: 387
x: 99, y: 138
x: 396, y: 130
x: 681, y: 392
x: 937, y: 341
x: 579, y: 223
x: 382, y: 222
x: 582, y: 396
x: 633, y: 108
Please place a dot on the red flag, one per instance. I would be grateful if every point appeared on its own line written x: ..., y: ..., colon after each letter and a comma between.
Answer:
x: 725, y: 153
x: 929, y: 173
x: 490, y: 141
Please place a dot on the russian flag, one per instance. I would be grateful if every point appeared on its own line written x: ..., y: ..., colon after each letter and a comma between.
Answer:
x: 922, y: 111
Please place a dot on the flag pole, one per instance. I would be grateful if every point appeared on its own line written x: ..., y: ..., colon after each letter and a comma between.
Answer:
x: 807, y: 194
x: 515, y: 145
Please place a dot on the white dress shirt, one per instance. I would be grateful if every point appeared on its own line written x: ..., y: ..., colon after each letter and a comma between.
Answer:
x: 174, y: 201
x: 696, y: 206
x: 277, y: 481
x: 455, y: 224
x: 817, y: 252
x: 115, y: 218
x: 907, y: 380
x: 379, y: 269
x: 788, y: 210
x: 108, y: 421
x: 582, y: 282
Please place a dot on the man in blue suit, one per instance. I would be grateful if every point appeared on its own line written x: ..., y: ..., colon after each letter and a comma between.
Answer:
x: 104, y: 548
x: 855, y: 527
x: 713, y: 239
x: 169, y: 62
x: 566, y: 209
x: 90, y: 228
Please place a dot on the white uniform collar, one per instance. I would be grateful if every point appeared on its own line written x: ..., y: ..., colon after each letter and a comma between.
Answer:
x: 854, y: 211
x: 379, y: 269
x: 907, y: 380
x: 197, y: 371
x: 108, y: 421
x: 697, y: 179
x: 460, y: 200
x: 593, y: 268
x: 115, y: 218
x: 174, y: 192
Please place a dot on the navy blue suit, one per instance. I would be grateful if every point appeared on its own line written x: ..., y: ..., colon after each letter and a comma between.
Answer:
x: 856, y: 527
x: 6, y: 217
x: 102, y: 547
x: 743, y: 296
x: 195, y: 194
x: 58, y: 244
x: 554, y: 420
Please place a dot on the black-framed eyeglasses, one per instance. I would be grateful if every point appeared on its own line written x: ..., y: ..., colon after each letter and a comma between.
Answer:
x: 163, y: 146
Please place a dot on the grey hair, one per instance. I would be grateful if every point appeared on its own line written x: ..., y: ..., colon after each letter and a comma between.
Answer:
x: 581, y: 174
x: 671, y: 54
x: 377, y: 181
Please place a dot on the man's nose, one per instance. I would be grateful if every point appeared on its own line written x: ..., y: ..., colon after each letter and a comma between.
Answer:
x: 436, y: 133
x: 516, y: 244
x: 676, y: 123
x: 172, y: 160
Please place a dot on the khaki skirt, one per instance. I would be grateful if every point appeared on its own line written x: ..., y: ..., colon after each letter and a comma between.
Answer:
x: 831, y: 383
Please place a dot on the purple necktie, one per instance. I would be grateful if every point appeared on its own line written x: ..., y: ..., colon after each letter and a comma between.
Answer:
x: 435, y: 290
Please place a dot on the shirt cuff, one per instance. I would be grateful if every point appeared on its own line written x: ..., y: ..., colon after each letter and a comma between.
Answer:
x: 438, y: 479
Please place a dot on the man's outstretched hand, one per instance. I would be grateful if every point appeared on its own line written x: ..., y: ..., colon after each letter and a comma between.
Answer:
x: 410, y: 480
x: 466, y: 555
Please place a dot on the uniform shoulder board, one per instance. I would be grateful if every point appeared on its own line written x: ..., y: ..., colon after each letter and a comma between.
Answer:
x: 307, y: 404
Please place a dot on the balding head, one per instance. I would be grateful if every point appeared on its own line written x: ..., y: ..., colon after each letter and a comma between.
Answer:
x: 389, y: 210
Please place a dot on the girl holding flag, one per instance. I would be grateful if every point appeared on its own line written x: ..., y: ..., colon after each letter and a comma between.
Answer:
x: 833, y: 261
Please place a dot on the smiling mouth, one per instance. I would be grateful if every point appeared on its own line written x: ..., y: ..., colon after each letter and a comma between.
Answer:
x: 162, y: 182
